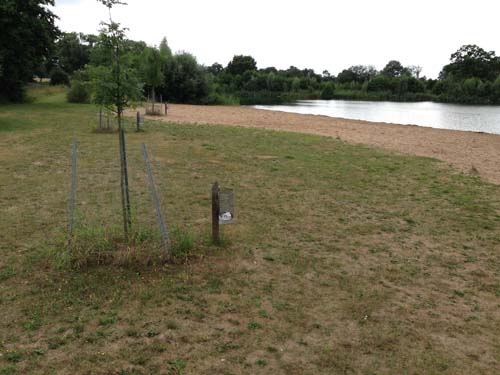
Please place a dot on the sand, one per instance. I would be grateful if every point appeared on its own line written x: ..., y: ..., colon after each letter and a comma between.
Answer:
x: 470, y: 152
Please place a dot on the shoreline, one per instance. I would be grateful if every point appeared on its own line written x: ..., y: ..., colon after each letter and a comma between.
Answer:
x: 473, y: 153
x: 371, y: 122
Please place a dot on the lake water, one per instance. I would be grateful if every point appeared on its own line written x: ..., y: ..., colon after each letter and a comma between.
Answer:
x: 478, y: 118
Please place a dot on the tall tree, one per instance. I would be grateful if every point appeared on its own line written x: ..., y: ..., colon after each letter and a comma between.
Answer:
x: 165, y: 50
x: 241, y: 64
x: 185, y: 80
x: 115, y: 85
x: 472, y: 61
x: 393, y: 69
x: 72, y: 52
x: 26, y: 39
x: 152, y: 70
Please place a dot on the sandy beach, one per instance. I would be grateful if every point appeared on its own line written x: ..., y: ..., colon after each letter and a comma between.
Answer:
x: 471, y: 153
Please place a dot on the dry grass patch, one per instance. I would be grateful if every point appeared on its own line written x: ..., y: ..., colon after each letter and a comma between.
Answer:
x: 344, y: 259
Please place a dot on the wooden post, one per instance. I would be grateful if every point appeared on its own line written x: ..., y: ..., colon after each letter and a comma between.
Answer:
x: 166, y: 109
x: 138, y: 121
x: 154, y: 99
x: 215, y: 213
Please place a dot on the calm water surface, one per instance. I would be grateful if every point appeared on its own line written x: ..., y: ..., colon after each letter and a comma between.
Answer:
x: 477, y: 118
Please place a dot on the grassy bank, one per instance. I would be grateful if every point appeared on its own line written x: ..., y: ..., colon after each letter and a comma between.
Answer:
x: 344, y: 259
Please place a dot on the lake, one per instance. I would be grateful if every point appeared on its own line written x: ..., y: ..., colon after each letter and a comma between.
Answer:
x: 478, y: 118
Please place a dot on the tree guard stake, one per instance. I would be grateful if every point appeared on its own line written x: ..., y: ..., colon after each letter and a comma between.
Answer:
x: 73, y: 189
x: 156, y: 201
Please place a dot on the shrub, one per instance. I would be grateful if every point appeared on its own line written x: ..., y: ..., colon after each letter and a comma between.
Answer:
x: 59, y: 77
x: 79, y: 92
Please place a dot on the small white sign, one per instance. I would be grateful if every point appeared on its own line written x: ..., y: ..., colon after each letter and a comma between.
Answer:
x: 226, y: 204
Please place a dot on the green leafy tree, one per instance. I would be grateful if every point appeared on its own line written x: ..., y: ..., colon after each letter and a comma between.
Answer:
x: 152, y: 70
x: 393, y: 69
x: 185, y: 80
x: 72, y: 52
x: 241, y: 64
x: 295, y: 86
x: 472, y: 61
x: 165, y: 50
x: 328, y: 91
x: 116, y: 84
x: 347, y: 76
x: 357, y: 73
x: 26, y: 39
x: 59, y: 77
x: 215, y: 69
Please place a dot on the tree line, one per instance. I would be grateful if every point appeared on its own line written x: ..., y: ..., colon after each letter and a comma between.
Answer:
x: 79, y: 60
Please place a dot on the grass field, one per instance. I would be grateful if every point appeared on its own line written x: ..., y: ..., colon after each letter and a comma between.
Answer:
x: 344, y: 259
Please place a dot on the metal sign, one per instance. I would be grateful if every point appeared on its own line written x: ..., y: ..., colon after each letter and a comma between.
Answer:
x: 226, y: 206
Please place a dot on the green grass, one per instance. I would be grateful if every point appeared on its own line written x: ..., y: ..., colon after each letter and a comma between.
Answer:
x: 343, y: 260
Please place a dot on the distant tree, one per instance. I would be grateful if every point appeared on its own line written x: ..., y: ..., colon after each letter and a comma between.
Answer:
x: 269, y: 69
x: 326, y: 76
x: 241, y: 64
x: 496, y: 90
x: 72, y: 52
x: 415, y: 70
x: 393, y: 69
x: 347, y: 76
x: 59, y: 77
x: 41, y: 70
x: 381, y: 83
x: 276, y: 82
x: 357, y: 73
x: 472, y: 61
x: 292, y: 71
x: 215, y: 69
x: 328, y: 91
x: 364, y: 72
x: 152, y: 69
x: 27, y: 38
x: 185, y: 80
x: 165, y: 50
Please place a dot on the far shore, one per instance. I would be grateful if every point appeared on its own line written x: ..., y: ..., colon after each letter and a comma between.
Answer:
x: 472, y: 153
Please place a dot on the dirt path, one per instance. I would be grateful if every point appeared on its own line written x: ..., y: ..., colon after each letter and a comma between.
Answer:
x: 474, y: 153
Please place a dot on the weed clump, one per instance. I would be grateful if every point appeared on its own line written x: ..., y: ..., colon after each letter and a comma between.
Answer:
x: 182, y: 243
x: 93, y: 245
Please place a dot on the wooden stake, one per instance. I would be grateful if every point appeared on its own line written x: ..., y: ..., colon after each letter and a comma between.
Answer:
x: 215, y: 213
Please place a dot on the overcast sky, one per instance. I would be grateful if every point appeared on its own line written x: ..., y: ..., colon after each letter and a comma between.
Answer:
x: 318, y: 34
